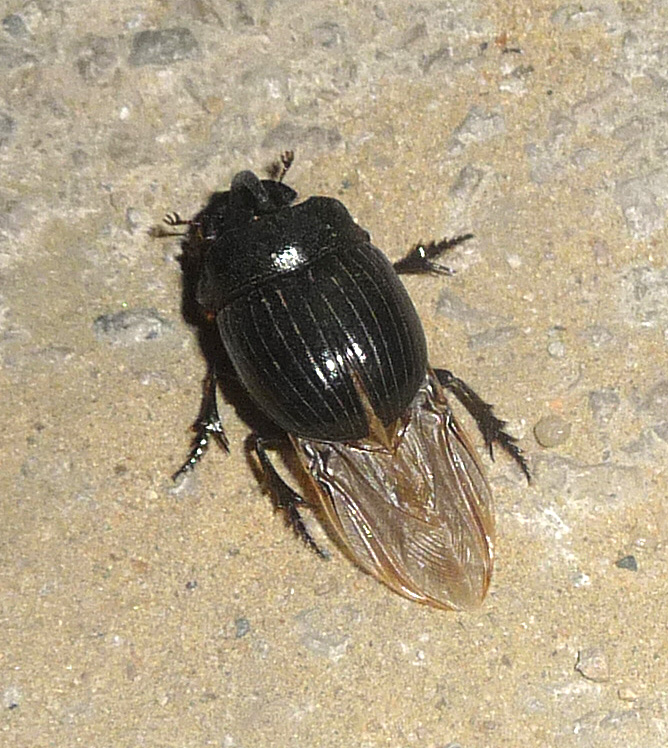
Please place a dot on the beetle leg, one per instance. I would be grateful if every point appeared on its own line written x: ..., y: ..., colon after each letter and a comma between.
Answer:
x: 174, y: 219
x: 421, y: 258
x: 287, y: 157
x: 279, y: 168
x: 158, y: 232
x: 284, y: 497
x: 491, y: 427
x: 207, y: 425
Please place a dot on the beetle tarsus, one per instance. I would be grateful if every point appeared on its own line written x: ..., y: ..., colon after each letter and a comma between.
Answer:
x: 284, y: 497
x: 491, y: 427
x: 174, y: 219
x: 279, y: 168
x: 287, y: 157
x: 207, y: 426
x: 421, y: 258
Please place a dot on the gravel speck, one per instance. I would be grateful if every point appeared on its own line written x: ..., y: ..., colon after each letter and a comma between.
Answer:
x: 241, y: 627
x: 11, y: 697
x: 603, y: 403
x: 98, y: 59
x: 627, y: 562
x: 130, y: 326
x: 593, y: 665
x: 552, y: 430
x: 15, y: 26
x: 163, y: 47
x: 7, y: 128
x: 477, y: 127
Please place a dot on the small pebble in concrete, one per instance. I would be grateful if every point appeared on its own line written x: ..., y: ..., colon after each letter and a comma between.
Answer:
x: 241, y: 627
x: 603, y: 404
x: 15, y: 26
x: 7, y: 128
x: 130, y: 326
x: 593, y: 665
x: 627, y: 562
x: 552, y: 430
x: 163, y: 46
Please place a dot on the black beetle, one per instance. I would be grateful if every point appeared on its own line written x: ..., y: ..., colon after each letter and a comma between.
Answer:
x: 325, y: 340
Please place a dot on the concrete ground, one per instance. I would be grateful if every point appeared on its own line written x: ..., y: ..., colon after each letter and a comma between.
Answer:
x: 135, y: 612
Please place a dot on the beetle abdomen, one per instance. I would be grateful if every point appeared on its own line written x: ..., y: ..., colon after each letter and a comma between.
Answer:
x: 305, y: 342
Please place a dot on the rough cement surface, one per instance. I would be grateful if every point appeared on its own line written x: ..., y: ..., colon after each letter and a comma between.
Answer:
x: 136, y: 613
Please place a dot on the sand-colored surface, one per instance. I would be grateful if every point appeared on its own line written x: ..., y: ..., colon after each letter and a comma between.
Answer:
x: 134, y: 613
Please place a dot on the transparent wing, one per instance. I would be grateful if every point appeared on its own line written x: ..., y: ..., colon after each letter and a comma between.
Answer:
x: 419, y: 515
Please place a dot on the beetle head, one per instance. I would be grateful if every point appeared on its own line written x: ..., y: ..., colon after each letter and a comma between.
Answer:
x: 250, y: 197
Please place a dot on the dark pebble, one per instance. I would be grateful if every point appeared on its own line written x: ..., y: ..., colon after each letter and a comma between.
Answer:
x: 627, y: 562
x: 7, y: 128
x: 130, y: 326
x: 241, y: 627
x: 97, y: 59
x: 327, y: 34
x: 163, y: 46
x: 15, y: 26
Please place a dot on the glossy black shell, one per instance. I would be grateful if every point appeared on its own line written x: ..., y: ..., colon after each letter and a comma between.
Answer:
x: 310, y: 312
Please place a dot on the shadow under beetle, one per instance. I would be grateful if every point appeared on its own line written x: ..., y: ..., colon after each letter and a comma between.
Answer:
x: 325, y: 340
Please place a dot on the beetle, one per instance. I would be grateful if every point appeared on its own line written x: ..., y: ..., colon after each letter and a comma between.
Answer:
x: 325, y: 340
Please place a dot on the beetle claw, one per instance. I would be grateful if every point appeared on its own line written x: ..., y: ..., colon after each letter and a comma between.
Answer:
x: 207, y: 426
x: 285, y: 498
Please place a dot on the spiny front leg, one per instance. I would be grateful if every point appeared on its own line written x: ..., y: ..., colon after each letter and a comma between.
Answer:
x: 421, y: 258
